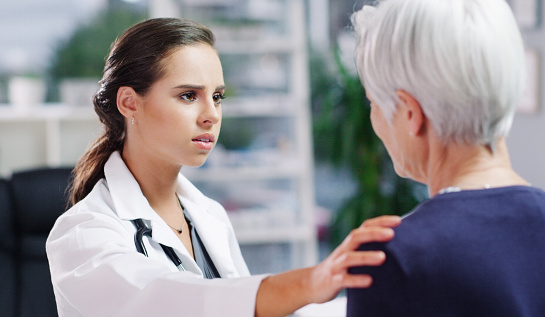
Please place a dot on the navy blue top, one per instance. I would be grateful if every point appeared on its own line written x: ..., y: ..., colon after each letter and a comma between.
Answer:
x: 469, y: 253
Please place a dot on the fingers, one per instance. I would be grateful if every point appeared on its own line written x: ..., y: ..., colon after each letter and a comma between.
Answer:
x: 362, y: 235
x: 345, y: 256
x: 372, y: 230
x: 358, y: 258
x: 339, y: 265
x: 357, y: 281
x: 389, y: 221
x: 339, y: 269
x: 369, y: 258
x: 331, y: 275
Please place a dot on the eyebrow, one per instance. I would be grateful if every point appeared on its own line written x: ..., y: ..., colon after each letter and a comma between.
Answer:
x: 197, y: 87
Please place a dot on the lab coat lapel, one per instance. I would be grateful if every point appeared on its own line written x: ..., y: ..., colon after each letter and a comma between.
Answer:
x: 214, y: 235
x: 122, y: 184
x: 126, y: 194
x: 213, y: 232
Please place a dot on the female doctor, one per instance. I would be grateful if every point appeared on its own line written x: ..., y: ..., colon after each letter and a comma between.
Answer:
x: 140, y: 239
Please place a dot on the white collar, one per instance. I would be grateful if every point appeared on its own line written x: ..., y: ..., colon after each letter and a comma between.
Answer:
x: 212, y: 230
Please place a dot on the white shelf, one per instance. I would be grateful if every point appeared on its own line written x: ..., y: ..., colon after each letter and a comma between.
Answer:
x: 223, y: 174
x: 49, y: 134
x: 273, y: 46
x: 274, y: 235
x: 281, y: 105
x: 55, y: 111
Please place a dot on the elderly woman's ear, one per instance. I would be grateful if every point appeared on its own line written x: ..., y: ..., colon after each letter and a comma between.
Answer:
x: 411, y: 110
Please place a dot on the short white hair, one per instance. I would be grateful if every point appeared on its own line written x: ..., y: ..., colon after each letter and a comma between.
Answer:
x: 463, y: 60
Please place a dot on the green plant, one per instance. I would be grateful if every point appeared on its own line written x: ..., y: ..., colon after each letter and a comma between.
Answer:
x: 236, y: 134
x: 84, y: 53
x: 343, y: 135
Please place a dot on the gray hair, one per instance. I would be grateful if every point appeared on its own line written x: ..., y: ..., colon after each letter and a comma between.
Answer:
x: 463, y: 60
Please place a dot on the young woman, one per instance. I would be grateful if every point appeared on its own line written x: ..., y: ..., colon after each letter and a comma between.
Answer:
x: 140, y: 239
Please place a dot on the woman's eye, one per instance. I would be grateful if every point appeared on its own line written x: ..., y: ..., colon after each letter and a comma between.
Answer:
x: 188, y: 96
x: 218, y: 98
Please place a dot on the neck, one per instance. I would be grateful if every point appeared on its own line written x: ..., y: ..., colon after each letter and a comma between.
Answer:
x: 471, y: 167
x: 157, y: 180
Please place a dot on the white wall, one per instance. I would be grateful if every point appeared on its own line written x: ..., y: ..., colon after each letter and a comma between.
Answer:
x: 526, y: 141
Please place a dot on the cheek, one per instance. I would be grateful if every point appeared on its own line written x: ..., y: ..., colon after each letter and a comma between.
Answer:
x: 387, y: 134
x: 382, y: 128
x: 217, y: 129
x: 376, y: 124
x: 155, y: 108
x: 398, y: 160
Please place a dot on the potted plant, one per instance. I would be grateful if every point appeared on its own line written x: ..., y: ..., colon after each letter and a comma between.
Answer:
x: 343, y: 135
x: 26, y: 91
x: 78, y: 62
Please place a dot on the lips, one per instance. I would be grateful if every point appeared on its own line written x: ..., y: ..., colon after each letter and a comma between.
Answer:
x: 204, y: 138
x: 204, y: 142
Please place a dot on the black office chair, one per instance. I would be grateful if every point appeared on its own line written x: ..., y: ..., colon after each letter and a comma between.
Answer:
x: 7, y: 253
x: 39, y: 197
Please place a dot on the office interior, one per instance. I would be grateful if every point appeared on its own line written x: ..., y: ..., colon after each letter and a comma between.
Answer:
x: 272, y: 169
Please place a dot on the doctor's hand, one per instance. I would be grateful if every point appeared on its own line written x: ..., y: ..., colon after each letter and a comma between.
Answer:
x: 282, y: 294
x: 331, y: 275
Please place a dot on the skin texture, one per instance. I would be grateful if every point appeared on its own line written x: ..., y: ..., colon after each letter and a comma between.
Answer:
x: 170, y: 123
x: 418, y: 153
x: 399, y: 135
x: 181, y: 107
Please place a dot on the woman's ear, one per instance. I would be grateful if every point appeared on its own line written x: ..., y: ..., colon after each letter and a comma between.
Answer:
x: 127, y: 101
x: 413, y: 111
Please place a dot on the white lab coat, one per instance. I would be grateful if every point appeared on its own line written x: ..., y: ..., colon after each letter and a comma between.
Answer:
x: 96, y: 270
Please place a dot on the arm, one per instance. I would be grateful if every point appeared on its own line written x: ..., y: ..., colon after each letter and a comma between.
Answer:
x: 283, y: 294
x: 96, y: 271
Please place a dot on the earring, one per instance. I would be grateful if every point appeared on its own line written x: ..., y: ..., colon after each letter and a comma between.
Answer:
x: 132, y: 122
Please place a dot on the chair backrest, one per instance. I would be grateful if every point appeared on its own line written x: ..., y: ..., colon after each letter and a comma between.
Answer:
x: 7, y: 253
x: 39, y: 197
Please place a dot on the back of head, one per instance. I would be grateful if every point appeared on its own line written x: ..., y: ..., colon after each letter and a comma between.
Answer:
x: 463, y: 60
x: 136, y: 60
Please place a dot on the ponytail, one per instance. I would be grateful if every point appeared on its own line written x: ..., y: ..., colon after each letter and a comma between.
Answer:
x: 90, y: 167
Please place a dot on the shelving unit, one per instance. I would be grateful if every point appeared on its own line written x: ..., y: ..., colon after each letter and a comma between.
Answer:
x: 266, y: 180
x: 45, y: 135
x: 266, y: 183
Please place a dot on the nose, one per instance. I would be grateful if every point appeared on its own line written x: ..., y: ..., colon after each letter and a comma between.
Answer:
x: 210, y: 114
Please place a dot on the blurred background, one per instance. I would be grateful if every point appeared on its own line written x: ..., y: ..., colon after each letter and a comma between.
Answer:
x: 297, y: 165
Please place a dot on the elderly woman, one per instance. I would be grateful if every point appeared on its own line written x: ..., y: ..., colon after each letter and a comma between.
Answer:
x: 444, y: 79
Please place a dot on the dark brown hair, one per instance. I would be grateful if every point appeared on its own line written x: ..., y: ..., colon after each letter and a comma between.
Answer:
x: 135, y: 60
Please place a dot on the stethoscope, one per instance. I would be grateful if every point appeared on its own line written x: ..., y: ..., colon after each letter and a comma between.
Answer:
x: 143, y: 230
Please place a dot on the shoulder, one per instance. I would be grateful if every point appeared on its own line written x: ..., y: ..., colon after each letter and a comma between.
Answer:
x: 510, y: 201
x: 99, y: 200
x: 453, y: 207
x: 454, y: 224
x: 94, y: 211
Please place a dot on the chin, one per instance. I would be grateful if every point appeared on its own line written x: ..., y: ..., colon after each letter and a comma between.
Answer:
x: 404, y: 174
x: 194, y: 164
x: 197, y: 163
x: 400, y: 172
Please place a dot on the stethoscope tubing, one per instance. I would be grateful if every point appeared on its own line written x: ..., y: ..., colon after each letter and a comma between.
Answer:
x: 143, y: 230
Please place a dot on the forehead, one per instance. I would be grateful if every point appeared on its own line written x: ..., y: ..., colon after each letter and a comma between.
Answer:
x: 194, y: 64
